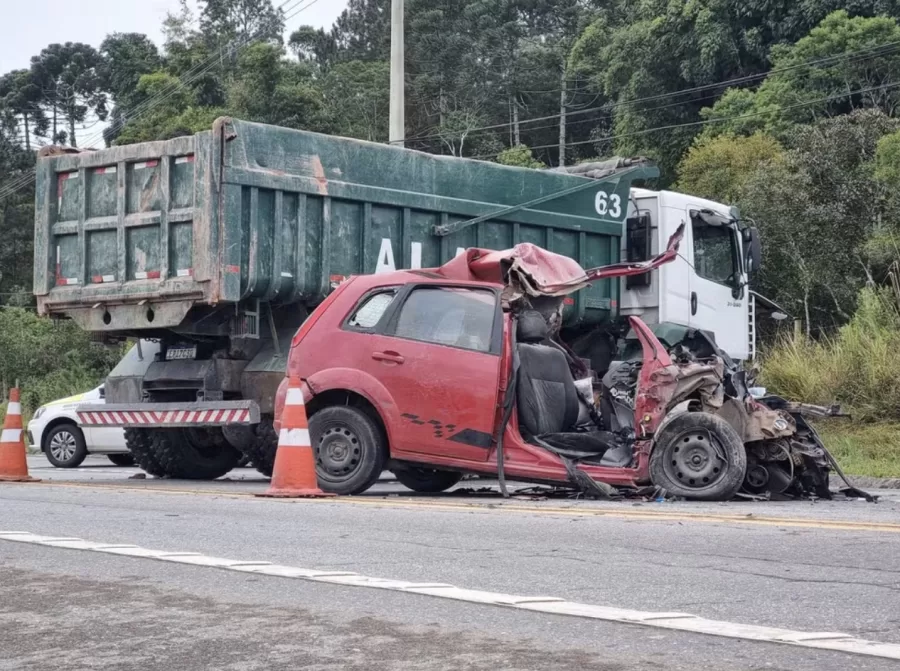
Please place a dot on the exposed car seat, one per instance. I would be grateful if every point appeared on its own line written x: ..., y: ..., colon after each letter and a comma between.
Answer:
x: 546, y: 395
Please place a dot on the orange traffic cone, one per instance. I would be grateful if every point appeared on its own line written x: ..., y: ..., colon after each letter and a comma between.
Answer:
x: 294, y: 475
x: 13, y: 464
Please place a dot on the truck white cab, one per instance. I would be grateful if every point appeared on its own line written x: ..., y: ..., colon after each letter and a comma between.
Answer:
x: 707, y: 286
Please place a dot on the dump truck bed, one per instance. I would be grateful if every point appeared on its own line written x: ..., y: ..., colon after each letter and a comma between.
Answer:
x: 137, y: 237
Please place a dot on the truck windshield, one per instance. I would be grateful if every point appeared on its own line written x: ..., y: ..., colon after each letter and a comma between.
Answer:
x: 715, y: 252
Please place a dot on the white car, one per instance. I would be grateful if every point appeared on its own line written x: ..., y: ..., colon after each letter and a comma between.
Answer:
x: 55, y: 430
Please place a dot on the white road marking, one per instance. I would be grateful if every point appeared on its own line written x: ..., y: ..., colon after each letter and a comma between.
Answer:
x: 686, y: 622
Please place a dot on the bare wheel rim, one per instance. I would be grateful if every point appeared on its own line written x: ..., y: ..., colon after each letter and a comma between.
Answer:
x: 339, y: 452
x: 63, y: 446
x: 696, y: 460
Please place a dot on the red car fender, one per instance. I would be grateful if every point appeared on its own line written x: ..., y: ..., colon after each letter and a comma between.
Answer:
x: 354, y: 380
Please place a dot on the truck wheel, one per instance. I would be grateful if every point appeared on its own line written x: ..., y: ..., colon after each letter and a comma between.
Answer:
x: 699, y: 456
x: 138, y: 442
x: 426, y: 480
x: 123, y: 459
x: 193, y: 454
x: 350, y: 449
x: 64, y: 446
x: 265, y: 444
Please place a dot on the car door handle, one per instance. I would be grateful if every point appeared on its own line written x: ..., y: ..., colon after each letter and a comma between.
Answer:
x: 693, y: 303
x: 391, y: 357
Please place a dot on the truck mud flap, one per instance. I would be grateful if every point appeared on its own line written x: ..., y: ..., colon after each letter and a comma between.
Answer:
x: 170, y: 415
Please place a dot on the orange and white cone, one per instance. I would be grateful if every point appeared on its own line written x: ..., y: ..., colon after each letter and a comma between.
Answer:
x: 294, y: 475
x: 13, y: 462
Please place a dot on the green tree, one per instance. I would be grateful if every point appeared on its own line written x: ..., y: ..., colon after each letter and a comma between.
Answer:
x: 49, y: 359
x: 519, y: 156
x: 126, y: 58
x: 20, y: 99
x: 269, y: 89
x: 69, y: 76
x: 363, y: 31
x: 718, y: 168
x: 224, y: 21
x: 818, y: 209
x: 887, y: 161
x: 177, y: 111
x: 844, y: 64
x: 313, y: 45
x: 653, y: 51
x: 357, y: 99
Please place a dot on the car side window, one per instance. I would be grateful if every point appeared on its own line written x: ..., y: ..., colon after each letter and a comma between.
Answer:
x: 370, y: 311
x: 451, y: 316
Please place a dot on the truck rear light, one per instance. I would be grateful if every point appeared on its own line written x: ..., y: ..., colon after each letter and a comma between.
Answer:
x: 319, y: 311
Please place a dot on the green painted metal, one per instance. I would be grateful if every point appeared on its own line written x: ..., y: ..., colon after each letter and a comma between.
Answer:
x: 247, y: 212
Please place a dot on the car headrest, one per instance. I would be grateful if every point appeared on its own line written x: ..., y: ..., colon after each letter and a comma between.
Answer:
x: 532, y: 327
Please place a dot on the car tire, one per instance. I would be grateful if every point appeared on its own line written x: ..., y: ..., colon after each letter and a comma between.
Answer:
x: 350, y: 449
x: 139, y: 444
x: 193, y: 454
x: 699, y: 456
x: 64, y: 446
x: 123, y: 459
x: 427, y: 480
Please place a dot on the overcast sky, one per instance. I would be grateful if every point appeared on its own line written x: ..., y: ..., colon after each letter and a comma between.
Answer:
x: 30, y: 25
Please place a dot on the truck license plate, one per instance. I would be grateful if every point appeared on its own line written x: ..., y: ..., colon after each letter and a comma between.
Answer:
x: 181, y: 353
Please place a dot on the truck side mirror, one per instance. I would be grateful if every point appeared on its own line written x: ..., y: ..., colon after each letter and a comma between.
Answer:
x: 753, y: 250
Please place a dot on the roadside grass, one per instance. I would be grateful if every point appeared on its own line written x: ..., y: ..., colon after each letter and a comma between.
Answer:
x: 863, y: 449
x: 857, y: 367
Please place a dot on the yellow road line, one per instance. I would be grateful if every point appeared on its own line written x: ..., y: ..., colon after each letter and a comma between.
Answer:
x: 497, y: 506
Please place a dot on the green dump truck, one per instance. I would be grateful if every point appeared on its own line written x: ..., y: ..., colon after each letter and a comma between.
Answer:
x: 211, y: 250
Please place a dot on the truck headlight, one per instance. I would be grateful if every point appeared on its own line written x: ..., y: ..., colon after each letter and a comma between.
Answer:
x: 40, y: 411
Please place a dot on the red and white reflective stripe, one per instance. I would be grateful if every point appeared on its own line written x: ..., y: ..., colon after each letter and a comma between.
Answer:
x: 101, y: 279
x: 294, y: 438
x: 65, y: 281
x: 111, y: 170
x: 147, y: 275
x: 184, y: 272
x: 184, y: 159
x: 147, y: 417
x: 145, y: 164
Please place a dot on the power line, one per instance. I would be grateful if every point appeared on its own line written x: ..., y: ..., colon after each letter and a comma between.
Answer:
x: 704, y: 122
x: 886, y: 49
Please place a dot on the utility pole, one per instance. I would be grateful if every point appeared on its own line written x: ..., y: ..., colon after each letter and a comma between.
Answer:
x: 398, y: 84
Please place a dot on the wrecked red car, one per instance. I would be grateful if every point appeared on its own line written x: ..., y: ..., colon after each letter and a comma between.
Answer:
x: 466, y: 369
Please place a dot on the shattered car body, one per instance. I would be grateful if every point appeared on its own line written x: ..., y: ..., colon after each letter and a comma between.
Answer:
x: 784, y: 454
x: 491, y: 386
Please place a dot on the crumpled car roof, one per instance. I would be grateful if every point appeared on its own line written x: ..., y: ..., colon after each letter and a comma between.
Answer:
x: 538, y: 272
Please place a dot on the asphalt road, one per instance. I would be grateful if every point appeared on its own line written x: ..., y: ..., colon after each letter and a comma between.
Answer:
x: 823, y: 567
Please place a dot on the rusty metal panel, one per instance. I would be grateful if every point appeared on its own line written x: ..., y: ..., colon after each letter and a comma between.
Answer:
x: 143, y: 186
x: 102, y: 257
x: 142, y: 247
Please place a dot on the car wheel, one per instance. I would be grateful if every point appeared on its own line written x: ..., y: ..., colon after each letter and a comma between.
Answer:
x: 124, y: 459
x: 427, y: 480
x: 350, y: 449
x: 699, y: 456
x: 64, y: 446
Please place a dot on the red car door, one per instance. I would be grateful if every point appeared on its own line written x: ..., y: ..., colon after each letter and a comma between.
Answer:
x: 438, y: 355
